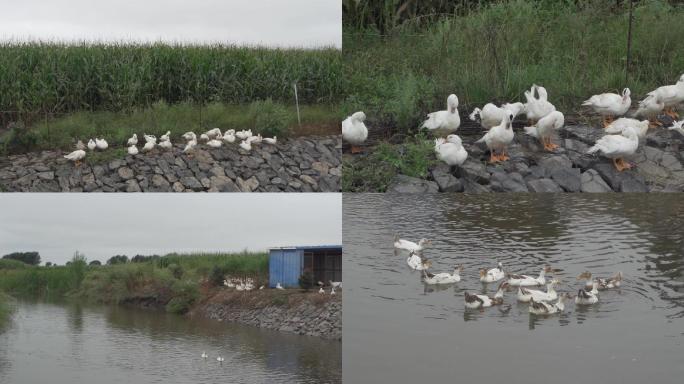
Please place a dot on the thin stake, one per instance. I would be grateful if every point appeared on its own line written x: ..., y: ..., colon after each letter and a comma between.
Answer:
x: 299, y: 120
x: 629, y: 42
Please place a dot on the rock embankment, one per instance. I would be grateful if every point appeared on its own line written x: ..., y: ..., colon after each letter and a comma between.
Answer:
x: 305, y: 164
x: 310, y: 314
x: 657, y: 167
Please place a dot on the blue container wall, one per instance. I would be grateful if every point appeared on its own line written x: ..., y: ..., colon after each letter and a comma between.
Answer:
x: 285, y: 267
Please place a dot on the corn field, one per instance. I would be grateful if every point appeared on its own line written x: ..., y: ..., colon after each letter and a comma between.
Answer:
x: 61, y: 78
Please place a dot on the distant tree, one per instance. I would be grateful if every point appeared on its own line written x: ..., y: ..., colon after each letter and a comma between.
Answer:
x: 95, y: 262
x: 78, y: 267
x: 31, y: 258
x: 48, y: 264
x: 118, y: 259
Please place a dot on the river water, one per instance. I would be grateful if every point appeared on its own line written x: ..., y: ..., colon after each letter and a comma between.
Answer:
x: 397, y: 330
x: 70, y: 343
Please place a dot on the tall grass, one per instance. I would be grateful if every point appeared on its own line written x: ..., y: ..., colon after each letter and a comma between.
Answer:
x: 56, y: 77
x: 496, y: 51
x: 5, y: 308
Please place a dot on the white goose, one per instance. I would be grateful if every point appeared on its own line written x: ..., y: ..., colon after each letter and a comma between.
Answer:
x: 484, y: 301
x: 417, y: 263
x: 536, y: 108
x: 450, y: 150
x: 586, y: 297
x: 542, y: 308
x: 545, y: 127
x: 618, y: 125
x: 410, y: 246
x: 92, y: 145
x: 650, y: 107
x: 190, y: 146
x: 246, y: 145
x: 213, y: 133
x: 442, y: 123
x: 616, y: 147
x: 242, y: 135
x: 101, y: 144
x: 150, y: 138
x: 165, y: 144
x: 215, y: 143
x: 671, y: 96
x: 607, y: 283
x: 133, y: 140
x: 188, y: 136
x: 610, y: 105
x: 166, y: 136
x: 444, y: 277
x: 229, y: 136
x: 498, y: 138
x: 149, y: 145
x: 354, y: 130
x: 490, y: 115
x: 525, y: 295
x: 76, y: 156
x: 133, y: 150
x: 529, y: 281
x: 492, y: 275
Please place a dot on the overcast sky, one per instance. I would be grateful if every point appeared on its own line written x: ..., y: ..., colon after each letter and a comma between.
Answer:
x: 301, y: 23
x: 102, y: 225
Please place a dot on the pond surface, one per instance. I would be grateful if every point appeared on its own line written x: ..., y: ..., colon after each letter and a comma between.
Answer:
x: 397, y: 330
x: 68, y: 343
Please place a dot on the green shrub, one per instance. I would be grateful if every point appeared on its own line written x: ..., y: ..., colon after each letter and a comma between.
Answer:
x: 306, y: 280
x: 269, y: 118
x: 176, y: 270
x: 185, y: 294
x: 19, y: 139
x: 78, y: 269
x: 217, y: 276
x: 12, y: 264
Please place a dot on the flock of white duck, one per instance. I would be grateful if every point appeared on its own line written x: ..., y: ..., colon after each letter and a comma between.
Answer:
x: 622, y: 137
x: 213, y: 138
x: 540, y: 302
x: 247, y: 284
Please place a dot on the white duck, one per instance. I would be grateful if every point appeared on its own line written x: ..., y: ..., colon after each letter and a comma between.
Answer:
x: 444, y: 277
x: 616, y: 147
x: 618, y: 125
x: 190, y: 146
x: 450, y: 150
x: 92, y: 145
x: 242, y: 135
x: 213, y: 133
x: 165, y: 144
x: 166, y: 136
x: 133, y: 140
x: 335, y: 284
x: 492, y: 275
x: 204, y: 355
x: 76, y: 156
x: 417, y: 263
x: 410, y: 246
x: 101, y: 144
x: 650, y: 107
x: 229, y: 136
x: 220, y: 359
x: 246, y: 145
x: 498, y: 138
x: 610, y: 105
x: 80, y: 145
x: 132, y: 150
x: 272, y: 141
x: 150, y: 138
x: 321, y: 290
x: 279, y: 286
x: 354, y: 130
x: 525, y: 295
x: 484, y: 301
x: 255, y: 139
x: 607, y: 283
x: 215, y: 143
x: 529, y: 281
x: 677, y: 126
x: 542, y: 308
x: 204, y: 137
x: 671, y: 96
x: 149, y: 145
x: 586, y: 297
x: 545, y: 127
x: 188, y: 136
x: 536, y: 108
x: 442, y: 123
x: 490, y: 115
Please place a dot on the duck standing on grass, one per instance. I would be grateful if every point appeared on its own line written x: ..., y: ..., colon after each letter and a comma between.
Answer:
x: 610, y: 105
x: 101, y: 144
x: 498, y: 138
x: 354, y: 130
x: 133, y: 140
x: 450, y: 150
x: 92, y: 145
x: 616, y: 147
x: 545, y: 127
x: 442, y: 123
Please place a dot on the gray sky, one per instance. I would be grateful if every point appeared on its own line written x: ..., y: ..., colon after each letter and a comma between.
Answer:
x: 102, y: 225
x: 301, y: 23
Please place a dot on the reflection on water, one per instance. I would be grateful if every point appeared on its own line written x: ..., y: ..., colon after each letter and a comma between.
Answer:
x: 391, y: 319
x: 71, y: 343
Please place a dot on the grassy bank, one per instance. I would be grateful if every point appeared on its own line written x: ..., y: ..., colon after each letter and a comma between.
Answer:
x: 494, y: 52
x: 175, y: 281
x: 63, y: 131
x: 55, y: 77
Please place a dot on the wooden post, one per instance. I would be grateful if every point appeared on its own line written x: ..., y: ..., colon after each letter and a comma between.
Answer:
x: 299, y: 120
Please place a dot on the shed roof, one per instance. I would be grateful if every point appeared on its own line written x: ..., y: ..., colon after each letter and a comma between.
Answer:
x: 310, y: 247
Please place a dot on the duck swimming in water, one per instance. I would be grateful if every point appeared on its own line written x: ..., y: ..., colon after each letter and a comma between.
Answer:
x: 542, y: 308
x: 529, y: 281
x: 444, y: 277
x: 483, y: 301
x: 607, y: 283
x: 587, y: 297
x: 492, y: 275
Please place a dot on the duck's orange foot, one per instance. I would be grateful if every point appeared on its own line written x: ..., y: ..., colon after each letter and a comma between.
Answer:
x: 356, y: 149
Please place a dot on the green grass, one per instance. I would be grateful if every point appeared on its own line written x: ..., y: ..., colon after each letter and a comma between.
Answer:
x: 57, y: 77
x: 117, y: 127
x: 494, y: 52
x: 124, y: 282
x: 374, y: 172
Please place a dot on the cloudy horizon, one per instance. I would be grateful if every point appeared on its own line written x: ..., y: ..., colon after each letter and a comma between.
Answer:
x: 271, y: 23
x: 104, y: 225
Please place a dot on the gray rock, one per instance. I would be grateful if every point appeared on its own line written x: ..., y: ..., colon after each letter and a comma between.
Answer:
x: 567, y: 178
x: 508, y: 182
x: 132, y: 186
x: 406, y: 184
x: 554, y: 163
x: 470, y: 186
x: 445, y: 180
x: 248, y: 185
x: 543, y: 186
x: 591, y: 182
x: 125, y: 173
x: 191, y: 182
x: 475, y: 171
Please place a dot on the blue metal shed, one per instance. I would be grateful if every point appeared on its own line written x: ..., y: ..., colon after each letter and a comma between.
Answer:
x: 287, y: 264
